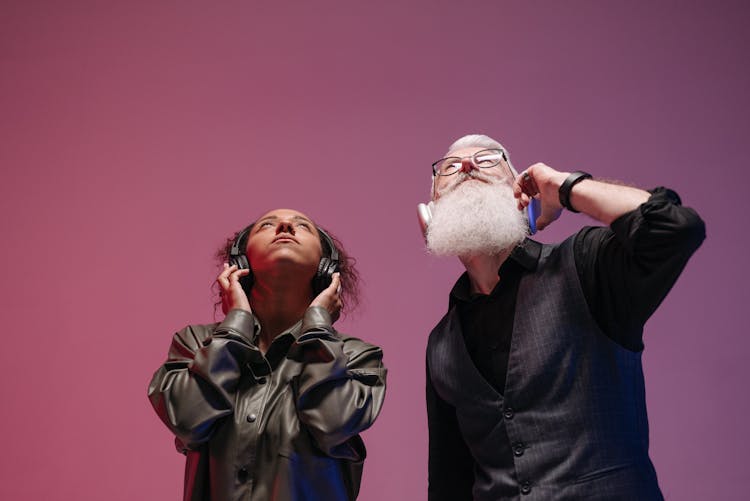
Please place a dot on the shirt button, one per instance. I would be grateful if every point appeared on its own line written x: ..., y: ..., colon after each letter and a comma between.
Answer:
x: 518, y: 449
x: 508, y: 413
x: 251, y: 418
x: 242, y: 474
x: 525, y: 488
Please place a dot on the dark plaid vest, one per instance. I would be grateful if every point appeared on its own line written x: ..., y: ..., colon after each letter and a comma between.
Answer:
x: 573, y: 411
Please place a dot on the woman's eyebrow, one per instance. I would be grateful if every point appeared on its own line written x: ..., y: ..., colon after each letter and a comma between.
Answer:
x: 274, y: 218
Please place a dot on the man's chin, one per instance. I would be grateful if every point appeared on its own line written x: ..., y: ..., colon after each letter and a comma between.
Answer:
x: 475, y: 219
x: 465, y: 251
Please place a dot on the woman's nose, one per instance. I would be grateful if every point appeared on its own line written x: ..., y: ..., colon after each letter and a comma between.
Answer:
x: 285, y: 227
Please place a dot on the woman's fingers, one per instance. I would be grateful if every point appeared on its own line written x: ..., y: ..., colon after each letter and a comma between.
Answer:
x: 223, y: 278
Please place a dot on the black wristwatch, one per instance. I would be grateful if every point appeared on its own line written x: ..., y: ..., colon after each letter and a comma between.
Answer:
x: 564, y: 191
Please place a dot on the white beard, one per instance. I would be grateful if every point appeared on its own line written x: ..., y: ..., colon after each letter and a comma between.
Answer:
x: 475, y: 218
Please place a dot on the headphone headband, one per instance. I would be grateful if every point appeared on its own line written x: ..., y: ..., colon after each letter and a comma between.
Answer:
x: 329, y: 241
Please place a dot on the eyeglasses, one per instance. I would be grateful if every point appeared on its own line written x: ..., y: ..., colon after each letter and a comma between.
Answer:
x: 482, y: 159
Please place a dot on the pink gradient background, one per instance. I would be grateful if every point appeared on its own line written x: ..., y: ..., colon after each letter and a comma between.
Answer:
x: 135, y: 136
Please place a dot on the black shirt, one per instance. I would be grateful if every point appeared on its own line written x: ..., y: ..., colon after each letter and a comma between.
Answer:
x: 625, y: 272
x: 621, y: 294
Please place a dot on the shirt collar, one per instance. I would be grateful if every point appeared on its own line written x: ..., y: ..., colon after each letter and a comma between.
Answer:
x: 526, y: 255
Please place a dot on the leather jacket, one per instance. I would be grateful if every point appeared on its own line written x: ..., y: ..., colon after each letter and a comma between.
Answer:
x: 279, y: 426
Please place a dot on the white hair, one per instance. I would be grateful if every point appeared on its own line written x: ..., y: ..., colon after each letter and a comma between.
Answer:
x: 475, y: 141
x: 476, y: 218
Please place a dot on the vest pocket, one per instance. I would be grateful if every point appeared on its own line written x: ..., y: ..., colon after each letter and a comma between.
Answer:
x: 603, y: 473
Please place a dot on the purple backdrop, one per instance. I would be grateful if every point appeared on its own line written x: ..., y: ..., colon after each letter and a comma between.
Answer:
x: 135, y: 136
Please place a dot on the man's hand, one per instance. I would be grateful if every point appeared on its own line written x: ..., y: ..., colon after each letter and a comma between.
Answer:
x: 232, y: 295
x: 330, y: 298
x: 541, y: 182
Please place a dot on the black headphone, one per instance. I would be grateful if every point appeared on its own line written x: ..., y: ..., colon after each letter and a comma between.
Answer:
x: 322, y: 279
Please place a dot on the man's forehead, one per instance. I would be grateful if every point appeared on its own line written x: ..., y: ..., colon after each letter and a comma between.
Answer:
x: 465, y: 152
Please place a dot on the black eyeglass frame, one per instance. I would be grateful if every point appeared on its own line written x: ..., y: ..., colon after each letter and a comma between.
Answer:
x: 503, y: 153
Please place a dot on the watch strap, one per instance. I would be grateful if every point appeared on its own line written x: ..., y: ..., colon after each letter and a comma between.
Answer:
x: 565, y: 188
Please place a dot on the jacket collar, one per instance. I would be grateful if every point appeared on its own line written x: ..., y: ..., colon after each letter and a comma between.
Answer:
x: 262, y: 365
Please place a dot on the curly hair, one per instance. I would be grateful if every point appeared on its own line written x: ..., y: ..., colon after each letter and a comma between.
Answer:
x: 348, y: 273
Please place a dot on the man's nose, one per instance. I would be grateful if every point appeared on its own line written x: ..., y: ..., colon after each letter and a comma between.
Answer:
x: 285, y: 227
x: 467, y: 165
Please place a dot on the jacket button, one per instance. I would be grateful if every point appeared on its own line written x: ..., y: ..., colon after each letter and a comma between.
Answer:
x: 508, y: 413
x: 518, y: 449
x: 262, y: 380
x: 251, y: 418
x: 525, y: 488
x: 242, y: 474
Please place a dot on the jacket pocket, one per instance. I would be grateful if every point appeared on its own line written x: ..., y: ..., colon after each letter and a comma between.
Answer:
x: 302, y: 476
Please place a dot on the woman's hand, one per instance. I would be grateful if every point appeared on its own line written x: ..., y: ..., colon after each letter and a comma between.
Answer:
x: 330, y: 298
x: 232, y: 295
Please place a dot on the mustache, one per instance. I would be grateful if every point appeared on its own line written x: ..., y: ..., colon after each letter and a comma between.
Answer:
x: 463, y: 176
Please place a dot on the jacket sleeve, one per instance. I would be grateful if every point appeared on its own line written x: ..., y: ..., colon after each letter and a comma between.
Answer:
x: 195, y: 387
x: 450, y: 466
x: 341, y: 386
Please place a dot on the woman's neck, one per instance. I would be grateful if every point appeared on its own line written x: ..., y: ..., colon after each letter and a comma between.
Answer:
x: 278, y: 304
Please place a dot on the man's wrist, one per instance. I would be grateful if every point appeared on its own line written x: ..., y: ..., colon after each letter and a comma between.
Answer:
x: 567, y: 187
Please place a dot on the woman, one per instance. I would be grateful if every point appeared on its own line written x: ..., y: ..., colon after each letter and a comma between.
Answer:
x: 268, y: 404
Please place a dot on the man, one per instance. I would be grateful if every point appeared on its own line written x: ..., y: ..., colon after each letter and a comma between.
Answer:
x: 268, y: 404
x: 534, y: 380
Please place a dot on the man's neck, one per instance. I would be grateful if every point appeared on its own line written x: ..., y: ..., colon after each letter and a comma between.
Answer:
x: 278, y: 306
x: 483, y: 271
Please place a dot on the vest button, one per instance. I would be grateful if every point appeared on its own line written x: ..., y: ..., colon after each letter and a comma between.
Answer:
x: 525, y: 488
x: 251, y: 418
x: 518, y: 448
x: 508, y: 413
x: 242, y: 474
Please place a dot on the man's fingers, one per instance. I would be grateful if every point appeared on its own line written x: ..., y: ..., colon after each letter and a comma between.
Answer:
x: 527, y: 184
x: 523, y: 201
x: 517, y: 191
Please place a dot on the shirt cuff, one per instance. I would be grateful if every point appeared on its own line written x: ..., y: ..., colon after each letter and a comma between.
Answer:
x: 662, y: 195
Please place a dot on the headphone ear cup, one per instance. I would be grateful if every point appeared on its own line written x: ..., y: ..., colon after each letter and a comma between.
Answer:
x: 324, y: 276
x: 242, y: 264
x: 247, y: 283
x: 319, y: 280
